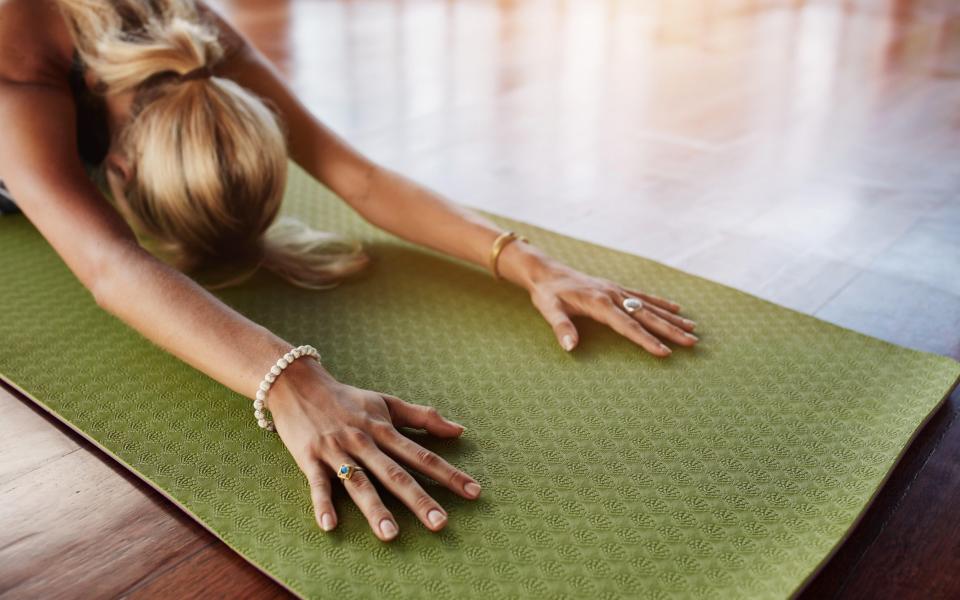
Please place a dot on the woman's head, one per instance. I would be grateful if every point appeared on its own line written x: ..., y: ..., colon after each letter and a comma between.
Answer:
x: 198, y: 167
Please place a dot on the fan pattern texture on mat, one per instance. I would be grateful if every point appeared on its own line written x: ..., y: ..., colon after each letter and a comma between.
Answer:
x: 729, y: 470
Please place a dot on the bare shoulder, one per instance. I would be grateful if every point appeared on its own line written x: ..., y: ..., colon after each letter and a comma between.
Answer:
x: 35, y: 45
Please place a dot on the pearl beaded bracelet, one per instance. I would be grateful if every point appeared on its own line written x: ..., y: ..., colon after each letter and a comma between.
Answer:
x: 271, y: 376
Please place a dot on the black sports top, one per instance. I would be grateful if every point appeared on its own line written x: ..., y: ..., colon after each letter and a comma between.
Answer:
x: 93, y: 135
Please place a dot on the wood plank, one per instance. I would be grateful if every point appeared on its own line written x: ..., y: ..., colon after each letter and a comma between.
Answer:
x: 79, y: 524
x: 23, y: 426
x: 214, y: 570
x: 897, y: 550
x: 915, y: 555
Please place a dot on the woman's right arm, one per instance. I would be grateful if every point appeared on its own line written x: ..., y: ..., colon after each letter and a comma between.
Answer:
x: 318, y: 418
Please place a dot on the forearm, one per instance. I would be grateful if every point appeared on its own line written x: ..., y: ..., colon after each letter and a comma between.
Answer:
x: 417, y: 214
x: 180, y: 316
x: 383, y: 197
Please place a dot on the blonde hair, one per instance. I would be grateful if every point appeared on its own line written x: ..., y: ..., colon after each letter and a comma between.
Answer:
x: 208, y: 157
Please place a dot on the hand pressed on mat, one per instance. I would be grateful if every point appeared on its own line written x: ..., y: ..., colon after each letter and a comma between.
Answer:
x: 325, y: 423
x: 559, y: 292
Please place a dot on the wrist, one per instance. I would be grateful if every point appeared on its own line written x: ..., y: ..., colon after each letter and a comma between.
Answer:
x: 523, y: 264
x: 300, y: 378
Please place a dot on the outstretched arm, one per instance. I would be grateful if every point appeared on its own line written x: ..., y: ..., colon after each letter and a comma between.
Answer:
x: 381, y: 196
x: 417, y: 214
x: 43, y: 172
x: 318, y: 418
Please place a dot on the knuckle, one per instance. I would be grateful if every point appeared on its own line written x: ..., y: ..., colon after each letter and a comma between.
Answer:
x: 391, y: 401
x: 456, y: 478
x: 325, y: 442
x: 373, y: 402
x: 606, y: 303
x: 398, y: 474
x: 317, y: 483
x: 380, y: 428
x: 641, y: 333
x: 539, y: 299
x: 356, y: 438
x: 598, y: 305
x: 599, y: 295
x: 427, y: 458
x: 360, y: 481
x: 424, y: 502
x: 610, y: 289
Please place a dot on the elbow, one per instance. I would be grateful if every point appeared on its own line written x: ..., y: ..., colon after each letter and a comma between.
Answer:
x: 99, y: 288
x: 102, y: 278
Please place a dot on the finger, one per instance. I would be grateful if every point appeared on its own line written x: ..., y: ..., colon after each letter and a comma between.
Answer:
x: 361, y: 490
x: 562, y: 326
x: 605, y: 310
x: 399, y: 481
x: 663, y: 328
x: 427, y: 462
x: 420, y: 416
x: 656, y: 300
x: 318, y: 478
x: 685, y: 324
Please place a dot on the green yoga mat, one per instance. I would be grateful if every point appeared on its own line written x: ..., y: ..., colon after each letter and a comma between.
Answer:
x: 730, y: 470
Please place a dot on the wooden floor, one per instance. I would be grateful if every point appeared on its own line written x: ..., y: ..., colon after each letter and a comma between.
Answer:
x: 806, y: 152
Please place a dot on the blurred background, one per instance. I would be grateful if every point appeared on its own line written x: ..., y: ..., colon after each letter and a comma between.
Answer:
x: 806, y: 152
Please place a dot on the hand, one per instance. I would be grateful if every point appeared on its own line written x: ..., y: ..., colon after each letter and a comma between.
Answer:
x: 559, y: 291
x: 325, y: 423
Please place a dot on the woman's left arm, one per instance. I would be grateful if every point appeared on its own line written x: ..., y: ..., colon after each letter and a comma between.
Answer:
x: 417, y: 214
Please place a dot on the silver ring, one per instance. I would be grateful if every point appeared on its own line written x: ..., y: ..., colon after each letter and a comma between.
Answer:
x: 632, y: 305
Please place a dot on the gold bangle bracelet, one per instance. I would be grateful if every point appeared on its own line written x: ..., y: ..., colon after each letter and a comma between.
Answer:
x: 498, y: 245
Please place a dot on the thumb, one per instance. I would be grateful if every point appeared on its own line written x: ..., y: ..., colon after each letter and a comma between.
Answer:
x: 562, y: 326
x: 420, y: 416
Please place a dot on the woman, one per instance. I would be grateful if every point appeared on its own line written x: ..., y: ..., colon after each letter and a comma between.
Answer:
x: 191, y: 128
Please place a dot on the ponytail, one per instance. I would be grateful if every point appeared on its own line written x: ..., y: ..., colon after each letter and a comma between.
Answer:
x: 126, y: 42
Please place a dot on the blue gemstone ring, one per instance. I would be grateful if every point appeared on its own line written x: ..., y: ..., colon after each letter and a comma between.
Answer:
x: 346, y: 471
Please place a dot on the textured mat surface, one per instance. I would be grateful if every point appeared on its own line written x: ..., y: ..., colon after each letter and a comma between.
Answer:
x: 729, y: 470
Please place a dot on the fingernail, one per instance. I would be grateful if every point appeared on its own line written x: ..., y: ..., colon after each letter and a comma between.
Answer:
x: 568, y: 342
x: 387, y: 528
x: 665, y: 349
x: 455, y: 424
x: 689, y: 323
x: 326, y: 521
x: 435, y: 517
x: 692, y: 337
x: 472, y: 489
